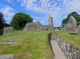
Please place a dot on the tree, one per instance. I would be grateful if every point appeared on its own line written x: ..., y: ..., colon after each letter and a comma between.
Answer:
x: 75, y: 15
x: 2, y: 22
x: 19, y: 20
x: 6, y: 25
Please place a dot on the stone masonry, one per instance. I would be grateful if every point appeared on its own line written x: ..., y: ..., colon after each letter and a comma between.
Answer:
x: 8, y: 30
x: 70, y: 51
x: 50, y: 21
x: 72, y: 24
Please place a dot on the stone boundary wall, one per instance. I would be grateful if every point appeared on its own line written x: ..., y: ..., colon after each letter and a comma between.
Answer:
x: 8, y: 30
x: 70, y: 51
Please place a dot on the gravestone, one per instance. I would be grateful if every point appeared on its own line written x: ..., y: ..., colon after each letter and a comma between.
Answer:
x: 72, y: 24
x: 8, y: 30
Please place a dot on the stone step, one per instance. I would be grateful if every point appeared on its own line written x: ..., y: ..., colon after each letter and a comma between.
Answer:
x: 6, y: 56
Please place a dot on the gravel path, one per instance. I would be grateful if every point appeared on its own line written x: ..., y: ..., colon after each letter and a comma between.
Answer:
x: 57, y: 50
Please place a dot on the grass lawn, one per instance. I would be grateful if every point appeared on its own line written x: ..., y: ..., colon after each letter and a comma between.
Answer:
x: 73, y: 39
x: 30, y: 45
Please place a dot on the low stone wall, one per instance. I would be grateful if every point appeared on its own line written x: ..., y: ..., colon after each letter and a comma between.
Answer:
x: 8, y: 30
x: 70, y: 51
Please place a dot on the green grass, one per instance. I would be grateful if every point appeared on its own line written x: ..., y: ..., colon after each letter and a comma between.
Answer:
x: 73, y: 39
x: 30, y: 45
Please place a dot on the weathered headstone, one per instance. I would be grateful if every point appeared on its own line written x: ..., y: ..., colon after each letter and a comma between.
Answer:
x: 8, y: 30
x: 72, y: 24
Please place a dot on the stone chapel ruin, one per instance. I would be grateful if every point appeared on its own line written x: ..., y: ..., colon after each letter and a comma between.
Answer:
x: 37, y: 26
x: 72, y: 24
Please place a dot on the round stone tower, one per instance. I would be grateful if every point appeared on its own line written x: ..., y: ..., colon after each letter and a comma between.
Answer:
x: 50, y: 21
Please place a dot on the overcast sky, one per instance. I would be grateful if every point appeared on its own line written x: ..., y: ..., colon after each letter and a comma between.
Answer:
x: 39, y: 9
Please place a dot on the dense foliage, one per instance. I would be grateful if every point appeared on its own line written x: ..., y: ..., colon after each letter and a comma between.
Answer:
x: 75, y: 15
x: 19, y: 20
x: 2, y: 23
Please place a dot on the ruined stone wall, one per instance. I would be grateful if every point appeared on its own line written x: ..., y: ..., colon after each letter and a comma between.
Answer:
x: 70, y: 51
x: 8, y: 30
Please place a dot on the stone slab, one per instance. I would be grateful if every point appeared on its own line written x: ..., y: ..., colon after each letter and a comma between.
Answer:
x: 8, y: 42
x: 6, y: 56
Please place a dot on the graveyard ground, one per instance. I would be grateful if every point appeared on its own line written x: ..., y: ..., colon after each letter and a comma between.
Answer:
x: 73, y: 39
x: 29, y: 45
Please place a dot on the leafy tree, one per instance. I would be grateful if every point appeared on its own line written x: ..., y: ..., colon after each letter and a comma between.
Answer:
x: 6, y: 25
x: 2, y: 22
x: 19, y: 20
x: 75, y: 15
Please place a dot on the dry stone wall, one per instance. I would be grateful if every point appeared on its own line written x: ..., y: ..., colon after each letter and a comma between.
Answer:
x: 70, y: 51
